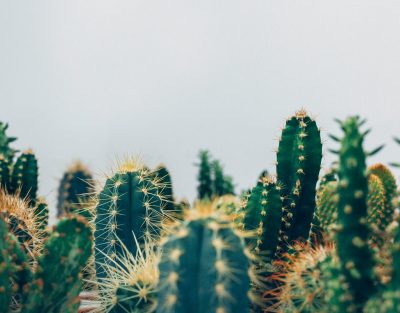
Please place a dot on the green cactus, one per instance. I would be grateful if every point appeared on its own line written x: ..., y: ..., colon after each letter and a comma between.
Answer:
x: 5, y: 150
x: 164, y: 177
x: 5, y: 172
x: 204, y: 268
x: 298, y: 165
x: 204, y: 189
x: 75, y: 188
x: 262, y: 214
x: 390, y: 189
x: 56, y: 283
x: 24, y: 178
x: 352, y: 231
x: 41, y: 211
x: 222, y: 184
x: 130, y: 205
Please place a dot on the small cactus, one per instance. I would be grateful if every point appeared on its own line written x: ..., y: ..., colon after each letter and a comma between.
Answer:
x: 24, y: 178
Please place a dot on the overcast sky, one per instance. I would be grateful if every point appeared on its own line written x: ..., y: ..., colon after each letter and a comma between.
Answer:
x: 96, y: 80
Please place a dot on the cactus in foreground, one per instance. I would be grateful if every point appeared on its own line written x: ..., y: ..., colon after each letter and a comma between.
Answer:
x: 355, y: 284
x: 388, y: 299
x: 75, y: 188
x: 204, y: 267
x: 24, y: 178
x: 56, y: 283
x: 302, y: 280
x: 53, y: 284
x: 298, y: 165
x: 129, y: 206
x: 262, y: 214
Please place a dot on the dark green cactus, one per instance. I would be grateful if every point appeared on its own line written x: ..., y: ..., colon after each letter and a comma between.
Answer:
x: 355, y: 283
x: 204, y: 268
x: 24, y: 178
x: 5, y: 150
x: 130, y: 205
x: 56, y: 283
x: 204, y: 189
x: 262, y: 214
x: 298, y: 165
x: 42, y: 213
x: 5, y: 172
x: 222, y: 184
x: 6, y: 267
x: 75, y: 188
x: 164, y: 177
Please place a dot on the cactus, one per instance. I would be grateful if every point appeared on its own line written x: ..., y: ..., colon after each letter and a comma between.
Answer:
x: 262, y: 214
x: 164, y: 177
x: 131, y: 282
x: 298, y: 165
x: 204, y: 267
x: 130, y: 204
x: 41, y: 211
x: 5, y: 172
x: 5, y: 150
x: 222, y: 184
x: 390, y: 189
x: 388, y: 299
x: 352, y: 231
x: 75, y: 188
x: 56, y: 283
x: 302, y: 280
x: 24, y: 178
x: 22, y: 222
x: 204, y: 177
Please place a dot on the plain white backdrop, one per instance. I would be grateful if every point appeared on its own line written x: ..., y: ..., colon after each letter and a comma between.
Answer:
x: 96, y: 79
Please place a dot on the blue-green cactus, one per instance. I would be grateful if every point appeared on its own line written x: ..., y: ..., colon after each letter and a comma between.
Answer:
x: 204, y: 268
x: 130, y: 205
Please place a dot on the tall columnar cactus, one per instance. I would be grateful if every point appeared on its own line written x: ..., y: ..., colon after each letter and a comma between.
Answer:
x: 129, y: 206
x: 5, y: 172
x: 24, y: 178
x: 75, y: 188
x: 204, y: 177
x: 262, y: 214
x: 164, y: 177
x: 298, y: 165
x: 356, y: 283
x: 204, y: 268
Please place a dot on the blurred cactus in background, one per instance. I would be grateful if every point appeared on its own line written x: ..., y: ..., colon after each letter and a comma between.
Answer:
x: 75, y: 189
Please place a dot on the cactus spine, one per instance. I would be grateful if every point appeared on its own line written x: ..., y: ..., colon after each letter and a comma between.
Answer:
x: 129, y: 206
x: 298, y: 165
x: 204, y: 268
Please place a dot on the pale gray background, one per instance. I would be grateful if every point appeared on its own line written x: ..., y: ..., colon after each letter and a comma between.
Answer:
x: 100, y: 79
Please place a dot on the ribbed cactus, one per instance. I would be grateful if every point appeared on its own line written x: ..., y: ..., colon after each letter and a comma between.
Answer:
x: 390, y: 188
x: 129, y: 206
x: 75, y: 188
x: 41, y: 212
x: 164, y: 177
x: 204, y: 268
x: 24, y: 178
x: 298, y: 165
x: 355, y: 283
x: 262, y: 214
x: 5, y: 172
x: 56, y: 283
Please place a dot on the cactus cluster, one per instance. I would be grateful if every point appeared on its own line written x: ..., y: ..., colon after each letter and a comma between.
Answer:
x: 288, y: 244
